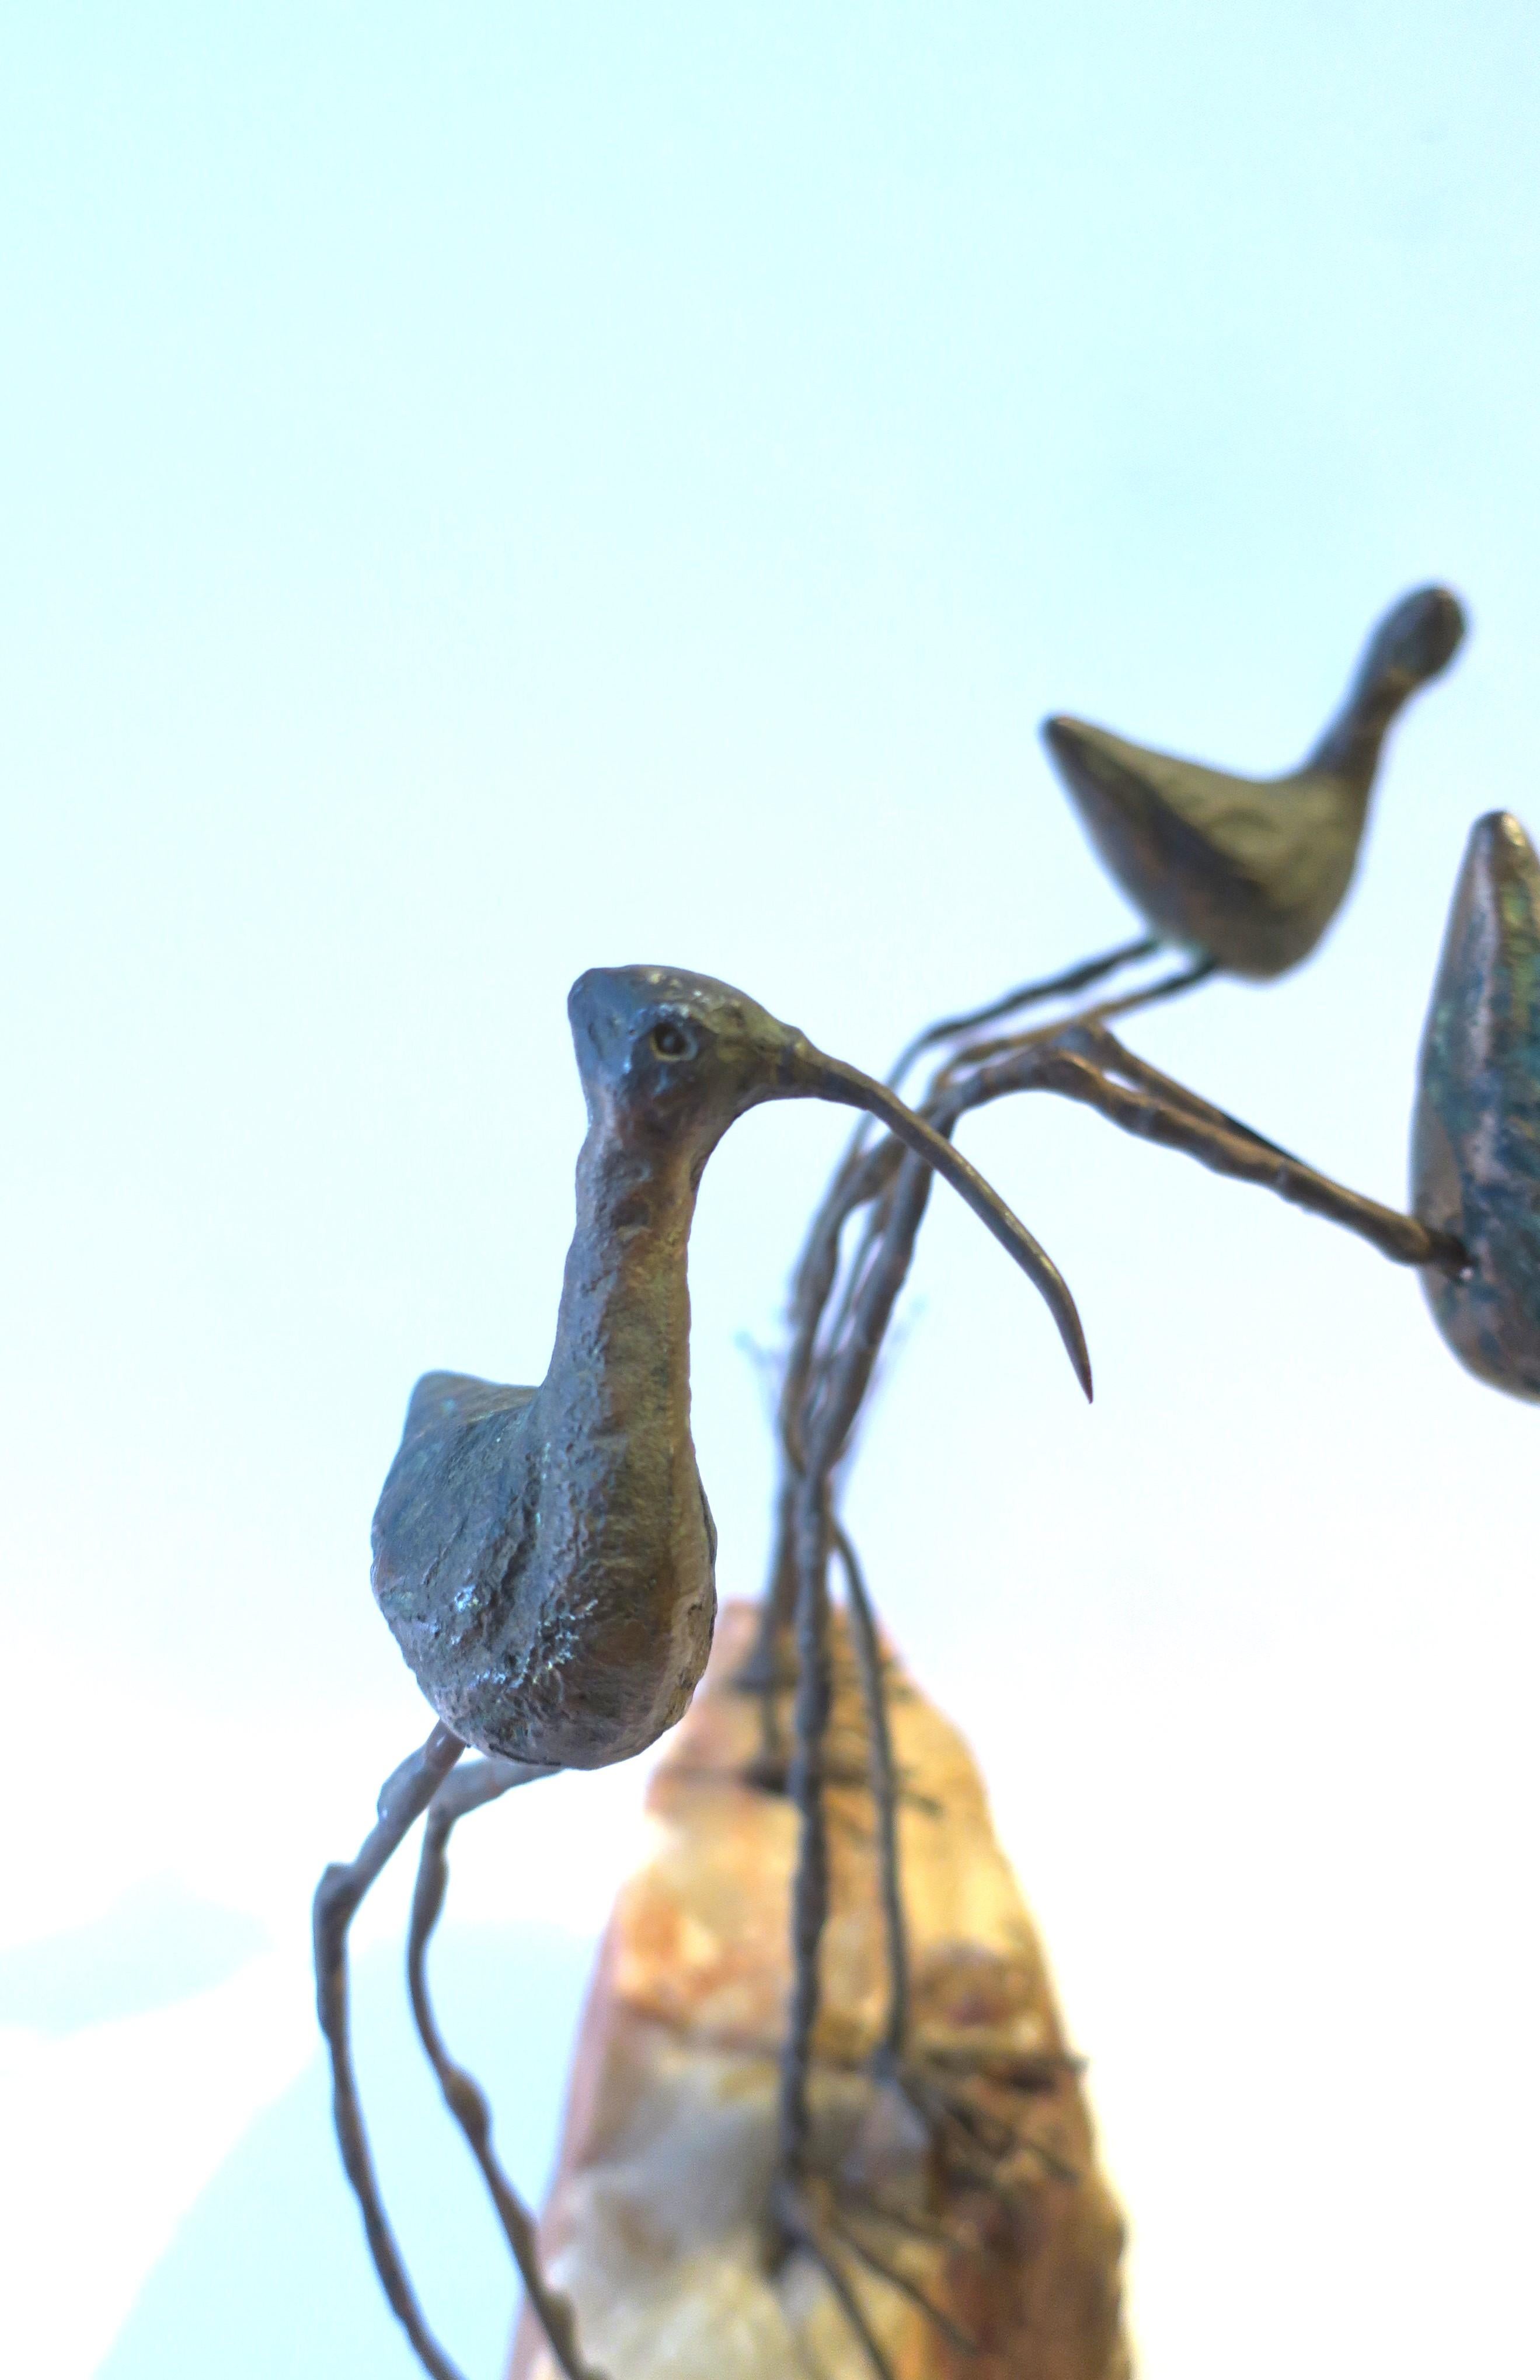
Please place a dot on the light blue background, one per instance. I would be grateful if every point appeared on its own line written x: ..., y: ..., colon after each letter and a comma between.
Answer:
x: 491, y: 489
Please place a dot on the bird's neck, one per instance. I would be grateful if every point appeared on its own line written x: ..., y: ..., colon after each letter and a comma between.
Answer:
x: 611, y: 1560
x: 622, y: 1354
x: 1351, y: 746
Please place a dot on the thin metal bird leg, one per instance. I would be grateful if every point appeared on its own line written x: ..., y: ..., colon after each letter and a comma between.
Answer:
x: 906, y: 2288
x: 905, y: 2219
x: 1186, y: 979
x: 864, y: 1184
x: 1113, y: 1057
x: 888, y: 2059
x: 1079, y: 1059
x: 471, y: 1789
x: 831, y: 1390
x: 844, y: 1376
x: 996, y: 2141
x: 866, y: 1249
x: 832, y: 1406
x: 798, y: 2225
x: 853, y: 1182
x: 1244, y: 1157
x: 884, y: 1792
x: 1168, y: 986
x: 802, y: 2230
x: 861, y: 1176
x: 405, y: 1795
x: 1027, y: 995
x: 810, y: 1884
x: 843, y: 1388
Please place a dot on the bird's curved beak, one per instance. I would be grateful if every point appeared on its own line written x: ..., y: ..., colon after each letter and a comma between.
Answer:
x: 807, y: 1073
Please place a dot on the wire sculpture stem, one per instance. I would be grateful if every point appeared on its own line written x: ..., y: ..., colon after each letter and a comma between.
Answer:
x: 841, y: 1310
x: 405, y: 1795
x: 473, y: 1788
x: 425, y: 1781
x: 884, y: 1792
x: 1027, y: 995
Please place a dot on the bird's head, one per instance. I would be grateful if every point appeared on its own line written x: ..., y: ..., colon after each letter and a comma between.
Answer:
x: 1418, y: 637
x: 670, y: 1061
x: 678, y: 1055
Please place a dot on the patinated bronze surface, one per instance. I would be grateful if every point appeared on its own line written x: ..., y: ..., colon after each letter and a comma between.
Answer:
x: 843, y: 1301
x: 1252, y: 871
x: 1475, y: 1143
x: 544, y: 1556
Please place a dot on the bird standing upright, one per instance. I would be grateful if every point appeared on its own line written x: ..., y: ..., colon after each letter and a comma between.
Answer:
x: 544, y: 1556
x: 1249, y: 871
x: 1475, y: 1136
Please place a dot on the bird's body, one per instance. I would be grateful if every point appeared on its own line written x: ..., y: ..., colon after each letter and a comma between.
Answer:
x: 1475, y: 1143
x: 1250, y: 871
x: 545, y: 1555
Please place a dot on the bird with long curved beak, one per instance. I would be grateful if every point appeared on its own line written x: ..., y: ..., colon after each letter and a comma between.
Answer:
x: 1475, y: 1136
x: 1249, y: 871
x: 544, y: 1556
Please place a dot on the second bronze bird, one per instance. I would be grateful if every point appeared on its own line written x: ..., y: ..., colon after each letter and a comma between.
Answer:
x: 544, y: 1556
x: 1250, y: 871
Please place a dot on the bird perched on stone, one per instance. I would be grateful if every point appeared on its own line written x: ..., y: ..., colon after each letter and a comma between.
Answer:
x: 1475, y: 1134
x: 544, y: 1556
x: 1249, y: 871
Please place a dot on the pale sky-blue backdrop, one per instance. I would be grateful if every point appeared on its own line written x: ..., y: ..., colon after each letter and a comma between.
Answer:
x: 491, y: 489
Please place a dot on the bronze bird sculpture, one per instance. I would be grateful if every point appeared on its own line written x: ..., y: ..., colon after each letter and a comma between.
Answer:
x: 545, y: 1555
x: 1249, y: 871
x: 1475, y: 1137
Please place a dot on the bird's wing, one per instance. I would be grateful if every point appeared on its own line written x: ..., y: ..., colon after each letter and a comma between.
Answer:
x: 451, y: 1504
x: 454, y: 1399
x: 1250, y: 868
x: 1249, y: 822
x: 1285, y: 837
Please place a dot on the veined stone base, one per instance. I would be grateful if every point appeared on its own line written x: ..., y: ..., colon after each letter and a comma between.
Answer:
x: 659, y: 2222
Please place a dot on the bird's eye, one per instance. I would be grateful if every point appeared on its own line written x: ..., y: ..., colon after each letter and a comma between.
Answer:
x: 669, y: 1041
